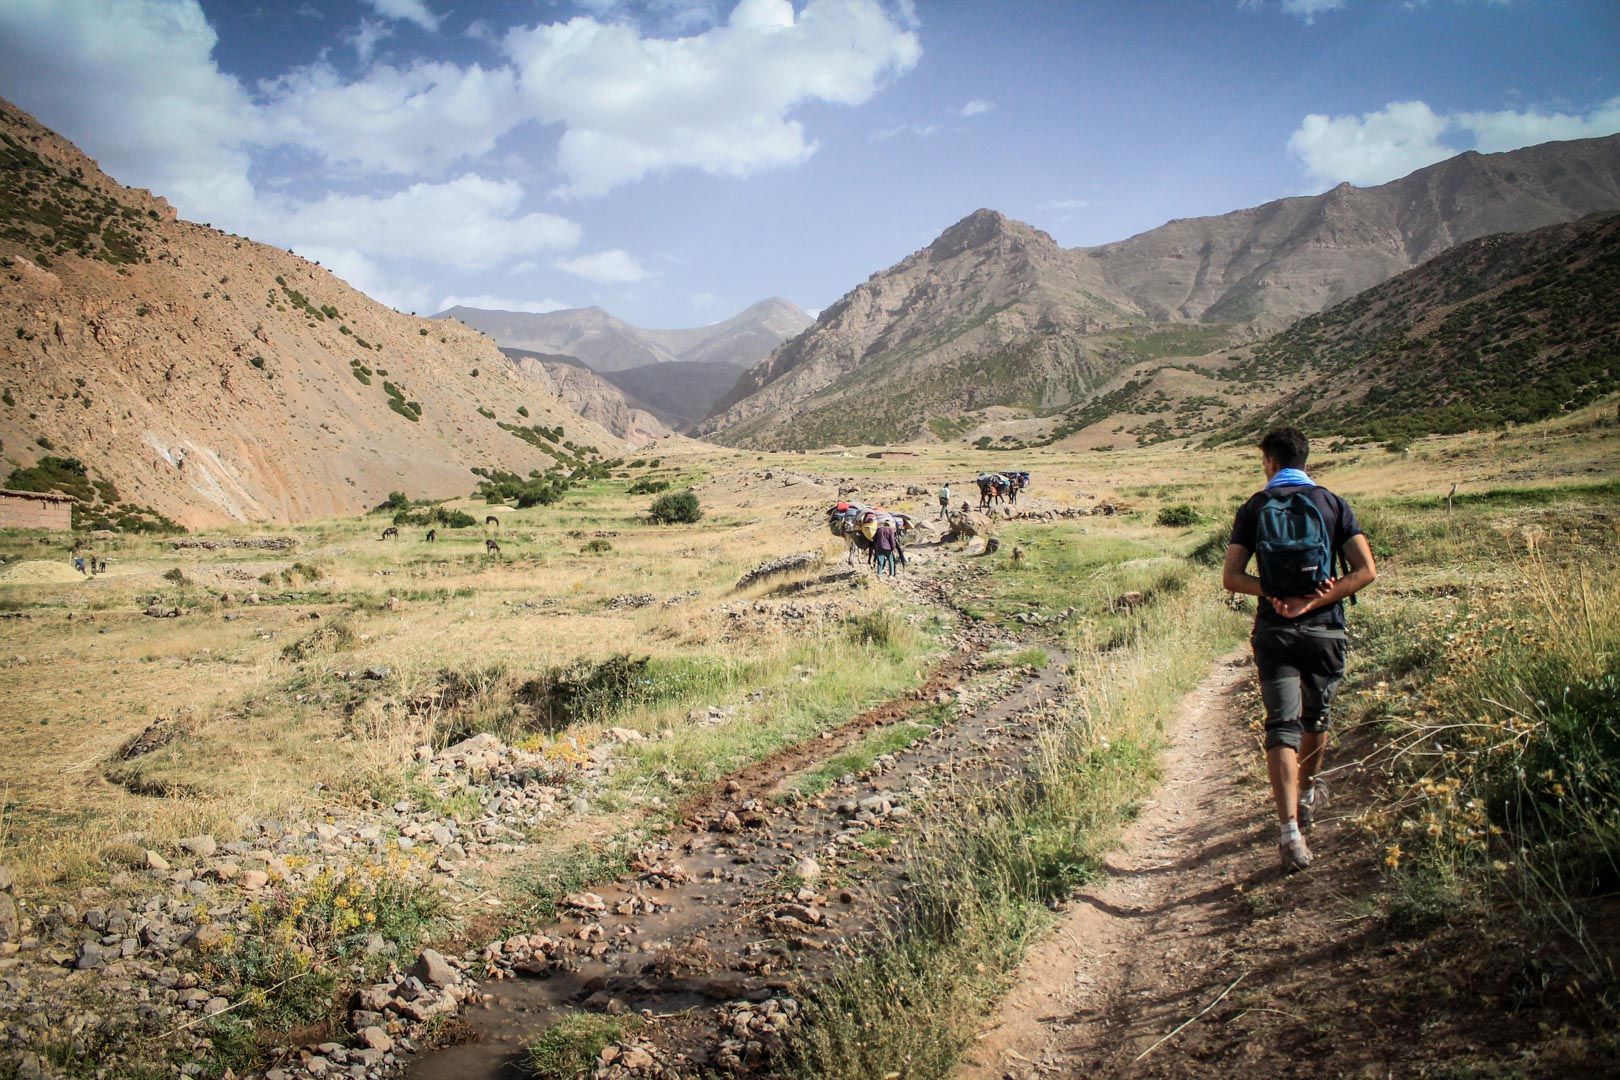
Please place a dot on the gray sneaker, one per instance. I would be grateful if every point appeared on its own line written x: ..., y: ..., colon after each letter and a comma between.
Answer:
x: 1295, y: 855
x: 1311, y: 801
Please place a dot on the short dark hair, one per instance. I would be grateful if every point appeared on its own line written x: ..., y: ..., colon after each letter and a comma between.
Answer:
x: 1287, y: 446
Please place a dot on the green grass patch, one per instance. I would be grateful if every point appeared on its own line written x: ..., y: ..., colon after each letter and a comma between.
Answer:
x: 858, y: 758
x: 571, y: 1049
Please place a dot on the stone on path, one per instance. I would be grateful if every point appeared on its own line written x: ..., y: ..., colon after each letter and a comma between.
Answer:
x: 431, y: 967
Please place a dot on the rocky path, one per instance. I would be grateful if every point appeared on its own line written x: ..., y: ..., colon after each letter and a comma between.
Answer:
x: 756, y: 888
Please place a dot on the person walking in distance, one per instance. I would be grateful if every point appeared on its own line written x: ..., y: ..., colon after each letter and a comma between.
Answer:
x: 945, y: 500
x: 1296, y: 532
x: 885, y: 544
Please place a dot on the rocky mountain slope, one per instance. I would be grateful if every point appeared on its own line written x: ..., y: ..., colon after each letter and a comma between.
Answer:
x: 994, y: 312
x: 215, y: 379
x: 1509, y: 328
x: 590, y: 395
x: 1274, y: 263
x: 606, y: 343
x: 994, y: 315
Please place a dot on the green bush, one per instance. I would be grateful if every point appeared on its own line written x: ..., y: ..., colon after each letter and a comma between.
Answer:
x: 436, y: 515
x: 597, y: 547
x: 1180, y: 516
x: 677, y: 507
x: 648, y: 486
x: 585, y: 691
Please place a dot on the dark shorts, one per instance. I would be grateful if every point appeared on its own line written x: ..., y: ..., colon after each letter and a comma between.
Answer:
x: 1300, y: 668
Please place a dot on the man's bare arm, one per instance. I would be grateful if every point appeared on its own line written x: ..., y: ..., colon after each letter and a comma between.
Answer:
x: 1363, y: 572
x: 1235, y: 576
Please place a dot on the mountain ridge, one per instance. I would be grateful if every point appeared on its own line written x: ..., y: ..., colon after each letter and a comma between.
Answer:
x: 607, y: 343
x: 995, y: 313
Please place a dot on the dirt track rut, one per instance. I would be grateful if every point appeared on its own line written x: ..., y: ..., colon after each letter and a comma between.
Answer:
x: 725, y: 909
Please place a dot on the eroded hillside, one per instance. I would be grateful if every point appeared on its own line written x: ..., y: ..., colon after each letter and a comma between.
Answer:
x: 215, y: 379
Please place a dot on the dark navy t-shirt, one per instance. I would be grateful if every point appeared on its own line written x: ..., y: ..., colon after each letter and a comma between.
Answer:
x: 1341, y: 526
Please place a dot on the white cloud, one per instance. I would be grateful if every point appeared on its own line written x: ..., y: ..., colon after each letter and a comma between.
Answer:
x: 137, y: 86
x: 469, y: 222
x: 922, y: 131
x: 364, y: 274
x: 1510, y: 129
x: 613, y: 267
x: 365, y: 37
x: 1066, y: 204
x: 1372, y: 148
x: 501, y: 303
x: 976, y: 107
x: 1310, y: 9
x: 718, y: 101
x: 404, y: 120
x: 1403, y: 136
x: 407, y: 11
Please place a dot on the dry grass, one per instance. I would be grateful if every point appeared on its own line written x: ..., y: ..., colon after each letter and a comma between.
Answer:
x: 269, y: 728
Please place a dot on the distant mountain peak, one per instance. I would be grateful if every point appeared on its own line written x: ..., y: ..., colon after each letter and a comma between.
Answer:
x: 995, y: 313
x: 984, y: 228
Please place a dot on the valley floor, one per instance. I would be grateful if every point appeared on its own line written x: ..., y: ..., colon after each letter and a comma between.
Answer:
x: 830, y: 819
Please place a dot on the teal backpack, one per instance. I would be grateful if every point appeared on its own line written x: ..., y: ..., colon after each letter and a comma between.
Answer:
x: 1292, y: 548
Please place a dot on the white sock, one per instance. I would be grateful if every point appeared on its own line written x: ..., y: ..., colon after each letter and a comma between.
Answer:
x: 1290, y: 832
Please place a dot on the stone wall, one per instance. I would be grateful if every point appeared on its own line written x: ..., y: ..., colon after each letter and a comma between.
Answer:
x: 23, y: 512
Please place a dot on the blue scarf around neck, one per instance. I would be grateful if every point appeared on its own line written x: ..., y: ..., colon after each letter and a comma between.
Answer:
x: 1290, y: 478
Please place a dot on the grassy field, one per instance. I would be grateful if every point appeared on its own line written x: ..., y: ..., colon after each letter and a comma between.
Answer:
x: 304, y: 679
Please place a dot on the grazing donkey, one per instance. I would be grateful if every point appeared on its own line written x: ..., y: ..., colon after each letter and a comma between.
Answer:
x: 391, y: 533
x: 491, y: 547
x: 433, y: 534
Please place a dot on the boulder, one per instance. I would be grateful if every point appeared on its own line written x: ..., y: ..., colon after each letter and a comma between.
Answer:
x: 207, y: 936
x: 432, y: 968
x: 200, y: 846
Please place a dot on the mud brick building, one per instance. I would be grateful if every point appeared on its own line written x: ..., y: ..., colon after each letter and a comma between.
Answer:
x: 35, y: 510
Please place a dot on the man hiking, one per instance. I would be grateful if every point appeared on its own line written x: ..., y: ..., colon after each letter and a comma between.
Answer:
x: 1297, y: 532
x: 945, y: 500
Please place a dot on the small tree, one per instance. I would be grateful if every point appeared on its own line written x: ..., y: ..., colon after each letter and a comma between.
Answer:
x: 676, y: 508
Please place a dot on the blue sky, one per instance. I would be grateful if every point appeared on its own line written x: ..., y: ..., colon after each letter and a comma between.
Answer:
x: 675, y: 160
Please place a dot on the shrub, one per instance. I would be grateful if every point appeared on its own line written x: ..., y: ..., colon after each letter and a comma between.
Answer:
x: 597, y: 547
x: 677, y: 507
x: 523, y: 410
x: 648, y: 486
x: 584, y: 691
x: 879, y: 627
x: 1180, y: 516
x: 436, y: 515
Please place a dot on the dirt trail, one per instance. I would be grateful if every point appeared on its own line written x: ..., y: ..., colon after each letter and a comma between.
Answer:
x: 1162, y: 936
